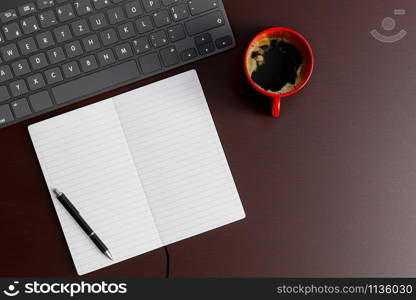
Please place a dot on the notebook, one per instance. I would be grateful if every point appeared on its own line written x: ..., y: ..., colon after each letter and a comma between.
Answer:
x: 145, y: 169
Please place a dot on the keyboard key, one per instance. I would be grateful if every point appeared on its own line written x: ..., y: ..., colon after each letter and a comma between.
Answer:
x: 141, y: 45
x: 12, y: 31
x: 29, y: 25
x: 115, y: 15
x: 21, y: 108
x: 98, y: 21
x: 9, y: 52
x: 42, y: 4
x: 73, y: 49
x: 36, y: 82
x: 83, y: 7
x: 95, y: 82
x: 27, y: 46
x: 47, y: 19
x: 40, y: 101
x: 62, y: 34
x: 88, y: 63
x: 199, y: 6
x: 71, y: 69
x: 45, y: 40
x: 8, y: 15
x: 144, y: 24
x: 150, y: 63
x: 65, y: 13
x: 27, y: 9
x: 169, y: 56
x: 98, y: 4
x: 224, y: 42
x: 56, y: 55
x: 176, y: 33
x: 205, y: 23
x: 21, y: 67
x: 6, y: 115
x: 106, y: 57
x: 169, y: 2
x: 1, y: 39
x: 18, y: 88
x: 161, y: 18
x: 133, y: 9
x: 5, y: 73
x: 203, y: 39
x: 179, y: 12
x: 188, y: 54
x: 4, y: 94
x: 123, y: 51
x: 158, y: 39
x: 80, y: 28
x: 109, y: 37
x: 53, y: 75
x: 38, y: 61
x: 151, y: 5
x: 206, y: 48
x: 91, y: 43
x: 126, y: 31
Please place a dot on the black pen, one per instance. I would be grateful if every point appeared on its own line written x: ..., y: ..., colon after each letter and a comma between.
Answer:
x: 81, y: 222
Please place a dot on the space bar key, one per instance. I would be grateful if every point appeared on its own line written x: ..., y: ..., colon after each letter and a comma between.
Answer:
x: 90, y: 85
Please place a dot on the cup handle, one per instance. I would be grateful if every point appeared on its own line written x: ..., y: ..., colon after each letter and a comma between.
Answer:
x: 276, y: 107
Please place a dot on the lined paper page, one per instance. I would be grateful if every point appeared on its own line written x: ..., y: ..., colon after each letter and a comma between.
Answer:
x: 84, y: 154
x: 179, y: 157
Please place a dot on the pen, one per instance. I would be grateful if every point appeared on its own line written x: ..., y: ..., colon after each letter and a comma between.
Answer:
x: 81, y: 222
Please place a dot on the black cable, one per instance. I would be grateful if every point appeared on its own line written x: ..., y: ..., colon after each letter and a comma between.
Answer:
x: 167, y: 261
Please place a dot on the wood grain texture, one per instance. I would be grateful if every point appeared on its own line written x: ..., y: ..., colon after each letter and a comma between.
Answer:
x: 328, y: 188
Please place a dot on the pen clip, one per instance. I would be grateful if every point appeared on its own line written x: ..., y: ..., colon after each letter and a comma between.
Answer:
x: 65, y: 201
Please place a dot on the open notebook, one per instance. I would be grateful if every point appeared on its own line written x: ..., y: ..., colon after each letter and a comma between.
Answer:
x: 145, y: 169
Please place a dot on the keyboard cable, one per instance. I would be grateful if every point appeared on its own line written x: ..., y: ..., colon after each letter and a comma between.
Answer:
x: 167, y: 261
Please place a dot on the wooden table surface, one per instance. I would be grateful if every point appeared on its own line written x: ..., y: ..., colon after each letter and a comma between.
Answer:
x: 328, y: 188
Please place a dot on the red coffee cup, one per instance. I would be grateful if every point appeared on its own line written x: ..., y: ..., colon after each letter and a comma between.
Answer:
x: 301, y: 44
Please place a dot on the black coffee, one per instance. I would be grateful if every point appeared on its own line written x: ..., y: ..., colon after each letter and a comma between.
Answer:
x: 278, y: 64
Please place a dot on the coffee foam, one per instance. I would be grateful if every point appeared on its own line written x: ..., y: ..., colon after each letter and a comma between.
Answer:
x: 254, y: 63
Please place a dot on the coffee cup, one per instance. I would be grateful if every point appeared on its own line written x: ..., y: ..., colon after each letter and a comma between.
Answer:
x: 278, y: 63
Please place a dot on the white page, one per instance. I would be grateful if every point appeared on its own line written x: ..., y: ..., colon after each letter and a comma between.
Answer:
x: 84, y: 154
x: 179, y: 157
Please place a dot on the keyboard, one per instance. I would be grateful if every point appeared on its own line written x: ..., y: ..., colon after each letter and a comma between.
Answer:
x: 57, y: 52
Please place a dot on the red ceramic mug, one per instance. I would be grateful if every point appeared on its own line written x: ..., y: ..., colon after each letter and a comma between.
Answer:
x: 301, y: 44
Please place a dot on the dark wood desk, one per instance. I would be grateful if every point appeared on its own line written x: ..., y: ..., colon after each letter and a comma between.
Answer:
x: 329, y: 188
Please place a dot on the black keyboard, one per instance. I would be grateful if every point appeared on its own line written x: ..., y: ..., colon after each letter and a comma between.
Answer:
x: 57, y: 52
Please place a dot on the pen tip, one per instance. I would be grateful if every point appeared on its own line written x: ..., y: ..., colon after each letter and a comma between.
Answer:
x: 108, y: 254
x: 56, y: 191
